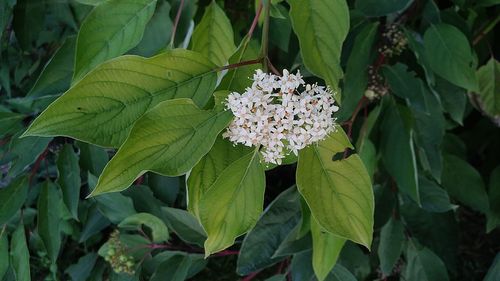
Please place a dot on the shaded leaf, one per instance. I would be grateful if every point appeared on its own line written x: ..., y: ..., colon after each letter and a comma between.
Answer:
x: 391, y: 245
x: 49, y: 219
x: 159, y: 230
x: 374, y: 8
x: 19, y: 255
x: 488, y: 77
x: 424, y: 265
x: 12, y: 198
x: 185, y: 225
x: 69, y: 178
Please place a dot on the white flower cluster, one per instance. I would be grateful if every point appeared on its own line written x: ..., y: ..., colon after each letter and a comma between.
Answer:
x: 277, y: 115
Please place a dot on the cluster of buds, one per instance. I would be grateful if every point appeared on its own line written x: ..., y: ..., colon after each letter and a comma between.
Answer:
x: 281, y: 114
x: 117, y: 255
x: 376, y: 85
x: 394, y: 41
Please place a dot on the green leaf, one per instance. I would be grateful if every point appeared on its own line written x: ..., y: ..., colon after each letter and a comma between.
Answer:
x: 326, y: 250
x: 94, y: 222
x: 273, y: 227
x: 488, y: 77
x: 375, y: 8
x: 424, y: 265
x: 25, y: 152
x: 92, y: 158
x: 450, y: 56
x: 391, y: 245
x: 110, y: 30
x: 398, y: 153
x: 4, y: 253
x: 10, y: 123
x: 213, y: 35
x: 493, y: 215
x: 185, y: 225
x: 12, y: 198
x: 340, y: 273
x: 321, y: 27
x: 55, y: 77
x: 453, y: 99
x: 464, y: 183
x: 69, y: 178
x: 49, y: 218
x: 209, y: 168
x: 237, y: 79
x: 356, y: 76
x: 81, y: 270
x: 28, y: 22
x: 232, y: 205
x: 338, y: 192
x: 170, y: 139
x: 160, y: 23
x: 159, y: 230
x: 433, y: 197
x: 175, y: 268
x: 19, y: 255
x: 405, y: 85
x: 114, y: 206
x: 103, y: 106
x: 494, y: 271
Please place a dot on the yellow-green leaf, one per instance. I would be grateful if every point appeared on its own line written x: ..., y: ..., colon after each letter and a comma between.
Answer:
x: 213, y: 36
x: 110, y: 30
x: 104, y: 105
x: 321, y: 26
x: 233, y: 204
x: 170, y: 139
x: 338, y: 192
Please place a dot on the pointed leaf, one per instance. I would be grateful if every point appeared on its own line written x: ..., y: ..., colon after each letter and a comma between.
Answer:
x: 49, y: 218
x: 424, y: 265
x: 273, y: 227
x: 170, y: 139
x: 159, y: 230
x: 326, y: 250
x: 375, y: 8
x: 449, y: 54
x: 110, y: 30
x: 209, y: 168
x: 185, y: 225
x: 103, y: 106
x: 321, y: 27
x: 233, y: 203
x: 213, y: 36
x: 69, y: 178
x: 488, y: 76
x: 12, y: 198
x: 338, y: 192
x: 391, y: 245
x: 19, y: 255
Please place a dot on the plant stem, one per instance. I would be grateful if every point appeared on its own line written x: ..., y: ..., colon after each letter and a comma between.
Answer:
x: 239, y: 64
x: 255, y: 21
x: 485, y: 31
x: 176, y: 23
x: 265, y: 36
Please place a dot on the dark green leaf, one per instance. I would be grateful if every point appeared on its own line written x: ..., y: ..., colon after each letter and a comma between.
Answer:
x: 424, y: 265
x: 433, y: 197
x: 12, y: 198
x: 450, y: 56
x: 19, y: 255
x: 25, y: 151
x: 184, y: 225
x: 159, y: 230
x: 82, y: 269
x: 356, y: 76
x: 464, y: 183
x: 488, y: 77
x: 494, y: 271
x: 4, y: 253
x: 398, y: 153
x: 28, y: 21
x: 49, y: 219
x: 261, y: 243
x: 391, y: 245
x: 374, y: 8
x: 69, y: 178
x: 175, y: 268
x: 56, y: 75
x: 493, y: 215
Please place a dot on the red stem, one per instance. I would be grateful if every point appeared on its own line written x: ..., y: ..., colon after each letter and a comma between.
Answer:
x: 251, y: 276
x: 239, y: 64
x: 255, y: 21
x: 176, y: 23
x: 36, y: 166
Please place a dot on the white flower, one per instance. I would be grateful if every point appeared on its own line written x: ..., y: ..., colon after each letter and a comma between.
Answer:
x: 275, y: 114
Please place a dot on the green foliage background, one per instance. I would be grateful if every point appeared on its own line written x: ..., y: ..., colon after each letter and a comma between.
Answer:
x: 418, y: 85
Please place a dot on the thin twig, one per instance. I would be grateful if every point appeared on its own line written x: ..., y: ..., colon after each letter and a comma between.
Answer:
x: 239, y: 64
x: 176, y: 23
x: 255, y: 21
x: 250, y: 276
x: 265, y: 35
x: 36, y: 166
x: 485, y: 31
